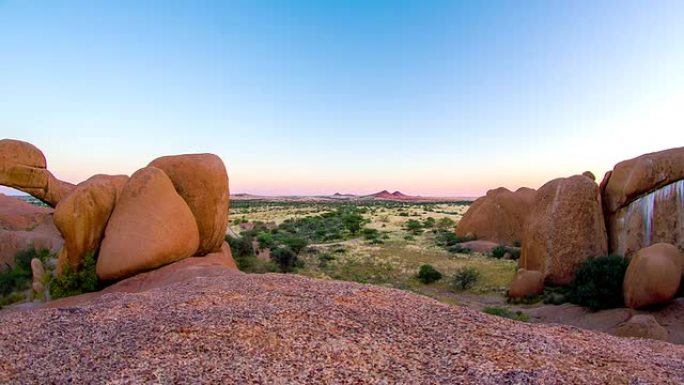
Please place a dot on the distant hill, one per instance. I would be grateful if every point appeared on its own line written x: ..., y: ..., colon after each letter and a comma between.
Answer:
x: 383, y: 195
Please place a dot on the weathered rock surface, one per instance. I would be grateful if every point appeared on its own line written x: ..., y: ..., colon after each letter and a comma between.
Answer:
x: 653, y: 275
x: 565, y: 227
x: 38, y: 276
x: 23, y: 166
x: 498, y: 216
x: 272, y: 328
x: 23, y: 225
x: 479, y: 246
x: 82, y: 216
x: 644, y: 201
x: 526, y: 283
x: 150, y: 226
x: 642, y: 326
x: 202, y: 181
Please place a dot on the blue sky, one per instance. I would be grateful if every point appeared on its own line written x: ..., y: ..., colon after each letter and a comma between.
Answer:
x: 427, y: 97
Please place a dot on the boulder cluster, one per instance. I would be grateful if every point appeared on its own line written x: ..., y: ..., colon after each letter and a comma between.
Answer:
x: 637, y: 211
x: 174, y: 208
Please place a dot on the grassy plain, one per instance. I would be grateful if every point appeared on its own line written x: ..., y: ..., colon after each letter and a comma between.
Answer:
x: 393, y: 256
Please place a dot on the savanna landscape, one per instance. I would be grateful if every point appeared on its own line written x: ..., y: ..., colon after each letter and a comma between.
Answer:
x: 350, y: 192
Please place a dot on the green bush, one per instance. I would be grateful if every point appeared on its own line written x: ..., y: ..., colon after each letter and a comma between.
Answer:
x: 428, y: 274
x: 598, y: 283
x: 459, y: 249
x: 465, y: 278
x: 415, y: 227
x: 499, y: 251
x: 18, y: 277
x: 506, y: 313
x: 447, y: 238
x: 76, y: 282
x: 285, y: 258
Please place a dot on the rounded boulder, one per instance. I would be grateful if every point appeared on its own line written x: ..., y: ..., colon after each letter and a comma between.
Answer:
x: 202, y: 181
x: 150, y: 226
x: 526, y: 283
x: 653, y: 276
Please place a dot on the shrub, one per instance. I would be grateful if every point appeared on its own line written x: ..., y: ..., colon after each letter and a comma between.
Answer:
x: 71, y: 282
x: 428, y: 274
x: 465, y: 278
x: 506, y: 313
x: 285, y: 258
x: 448, y: 238
x: 446, y: 223
x: 499, y: 251
x: 18, y: 277
x: 459, y: 249
x: 414, y: 227
x: 598, y: 283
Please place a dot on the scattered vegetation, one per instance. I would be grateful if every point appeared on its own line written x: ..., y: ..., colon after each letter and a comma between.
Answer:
x: 428, y: 274
x: 598, y: 283
x: 506, y: 313
x: 500, y: 251
x: 76, y: 282
x: 16, y: 280
x: 465, y: 278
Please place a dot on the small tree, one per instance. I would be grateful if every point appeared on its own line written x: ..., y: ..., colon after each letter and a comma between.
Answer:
x: 465, y: 278
x: 285, y: 258
x: 428, y: 274
x: 414, y: 227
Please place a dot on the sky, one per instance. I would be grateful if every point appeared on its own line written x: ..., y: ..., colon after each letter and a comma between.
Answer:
x: 432, y: 98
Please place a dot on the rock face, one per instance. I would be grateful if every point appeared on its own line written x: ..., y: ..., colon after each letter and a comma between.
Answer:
x: 642, y: 326
x: 498, y: 216
x: 644, y: 201
x: 526, y: 283
x: 81, y: 217
x: 236, y: 328
x: 653, y: 275
x: 202, y: 181
x: 23, y: 225
x: 38, y: 276
x: 23, y: 166
x: 150, y: 226
x: 565, y: 227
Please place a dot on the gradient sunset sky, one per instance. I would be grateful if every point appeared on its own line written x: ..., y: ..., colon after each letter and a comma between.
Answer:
x: 440, y: 98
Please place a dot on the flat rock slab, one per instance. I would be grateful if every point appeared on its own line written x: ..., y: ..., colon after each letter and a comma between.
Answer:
x: 288, y: 329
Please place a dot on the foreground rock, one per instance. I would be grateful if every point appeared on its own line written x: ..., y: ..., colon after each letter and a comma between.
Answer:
x: 239, y: 328
x: 498, y: 216
x: 151, y: 226
x: 565, y: 227
x: 526, y: 283
x: 23, y: 225
x: 202, y: 181
x: 653, y: 276
x: 81, y: 217
x: 642, y: 326
x: 644, y: 201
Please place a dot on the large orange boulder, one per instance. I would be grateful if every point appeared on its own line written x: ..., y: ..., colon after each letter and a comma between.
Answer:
x: 644, y: 201
x: 653, y: 276
x: 23, y: 166
x: 202, y: 181
x: 498, y: 216
x: 150, y: 226
x: 81, y: 217
x: 23, y: 225
x: 526, y: 283
x: 564, y: 228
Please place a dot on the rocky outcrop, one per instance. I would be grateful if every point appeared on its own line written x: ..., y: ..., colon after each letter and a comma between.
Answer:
x: 23, y: 225
x: 653, y: 276
x: 201, y: 180
x: 151, y: 226
x: 644, y: 201
x: 82, y: 216
x: 565, y: 227
x: 38, y: 277
x: 23, y: 166
x: 642, y: 326
x: 239, y: 328
x: 526, y: 283
x: 498, y: 216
